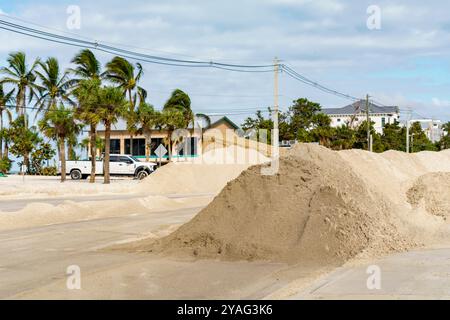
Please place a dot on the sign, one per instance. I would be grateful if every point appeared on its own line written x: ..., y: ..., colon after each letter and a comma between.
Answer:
x: 160, y: 151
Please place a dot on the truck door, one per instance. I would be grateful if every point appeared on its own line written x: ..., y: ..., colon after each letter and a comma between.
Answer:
x: 126, y: 165
x: 114, y: 165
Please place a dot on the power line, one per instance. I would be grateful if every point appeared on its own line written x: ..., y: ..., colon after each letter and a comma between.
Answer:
x: 43, y: 35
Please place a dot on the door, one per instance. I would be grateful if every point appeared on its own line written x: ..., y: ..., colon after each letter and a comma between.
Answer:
x: 114, y: 165
x: 126, y: 165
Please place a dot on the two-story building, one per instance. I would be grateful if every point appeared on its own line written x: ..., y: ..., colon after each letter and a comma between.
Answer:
x: 355, y: 114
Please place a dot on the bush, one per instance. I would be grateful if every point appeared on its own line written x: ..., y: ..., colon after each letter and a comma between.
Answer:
x: 49, y: 171
x: 5, y: 165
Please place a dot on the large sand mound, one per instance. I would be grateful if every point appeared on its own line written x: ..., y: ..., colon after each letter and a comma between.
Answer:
x: 323, y: 207
x: 206, y: 175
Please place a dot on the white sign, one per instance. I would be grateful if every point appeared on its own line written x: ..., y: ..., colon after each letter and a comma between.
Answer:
x: 161, y: 151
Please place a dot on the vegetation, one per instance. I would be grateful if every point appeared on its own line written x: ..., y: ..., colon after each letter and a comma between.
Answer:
x: 304, y: 122
x: 88, y: 95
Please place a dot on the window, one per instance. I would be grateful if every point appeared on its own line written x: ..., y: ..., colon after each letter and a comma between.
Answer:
x: 191, y: 147
x: 125, y: 159
x: 115, y: 146
x: 383, y: 122
x: 338, y: 120
x: 138, y: 147
x: 113, y: 159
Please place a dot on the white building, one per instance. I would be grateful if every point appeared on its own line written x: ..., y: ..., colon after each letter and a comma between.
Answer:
x: 355, y: 114
x: 433, y: 128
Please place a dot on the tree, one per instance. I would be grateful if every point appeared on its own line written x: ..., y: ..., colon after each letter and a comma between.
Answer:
x: 420, y: 141
x: 127, y: 76
x: 87, y: 67
x: 23, y: 78
x: 394, y: 137
x: 179, y: 100
x: 445, y: 141
x: 87, y: 93
x: 86, y: 88
x: 5, y: 99
x: 42, y: 152
x: 59, y: 124
x: 54, y: 87
x: 148, y: 119
x: 302, y: 114
x: 172, y: 119
x: 112, y: 106
x: 23, y: 139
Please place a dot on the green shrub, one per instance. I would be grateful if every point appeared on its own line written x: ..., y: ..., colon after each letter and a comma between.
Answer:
x: 49, y: 171
x: 5, y: 165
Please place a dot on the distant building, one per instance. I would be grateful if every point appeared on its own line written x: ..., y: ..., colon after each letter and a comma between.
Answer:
x: 355, y: 114
x: 433, y: 128
x: 121, y: 142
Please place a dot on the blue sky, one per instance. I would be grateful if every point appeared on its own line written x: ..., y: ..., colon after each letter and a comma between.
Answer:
x: 405, y: 63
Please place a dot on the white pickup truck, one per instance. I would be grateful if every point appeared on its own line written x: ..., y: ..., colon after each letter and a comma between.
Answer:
x: 118, y: 165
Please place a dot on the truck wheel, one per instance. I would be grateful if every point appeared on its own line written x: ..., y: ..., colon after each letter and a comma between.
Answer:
x: 75, y: 174
x: 142, y: 175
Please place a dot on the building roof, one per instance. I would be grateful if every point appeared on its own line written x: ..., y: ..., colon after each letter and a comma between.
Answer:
x: 360, y: 107
x: 217, y: 119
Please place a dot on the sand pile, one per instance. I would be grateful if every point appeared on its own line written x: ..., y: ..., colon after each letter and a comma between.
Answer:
x: 206, y: 175
x: 317, y: 210
x: 431, y: 192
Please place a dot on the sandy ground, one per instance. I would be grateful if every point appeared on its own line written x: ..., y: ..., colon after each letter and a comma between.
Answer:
x: 307, y: 233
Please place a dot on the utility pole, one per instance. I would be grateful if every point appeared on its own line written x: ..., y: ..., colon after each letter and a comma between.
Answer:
x: 369, y: 147
x: 276, y: 105
x: 407, y: 130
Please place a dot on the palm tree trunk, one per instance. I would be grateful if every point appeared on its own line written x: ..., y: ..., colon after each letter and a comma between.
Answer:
x: 130, y: 96
x: 148, y: 142
x: 62, y: 158
x: 107, y: 179
x: 170, y: 145
x: 93, y: 152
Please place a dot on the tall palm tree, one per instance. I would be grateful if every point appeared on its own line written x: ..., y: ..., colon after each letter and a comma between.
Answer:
x: 179, y: 100
x: 87, y: 81
x: 177, y: 114
x: 148, y: 119
x: 171, y: 120
x: 87, y: 93
x: 112, y: 106
x: 127, y: 76
x: 5, y: 99
x: 23, y: 78
x: 87, y: 67
x: 54, y: 87
x: 59, y: 123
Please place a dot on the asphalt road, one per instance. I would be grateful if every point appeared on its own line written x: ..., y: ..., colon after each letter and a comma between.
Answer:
x: 423, y: 274
x: 30, y: 258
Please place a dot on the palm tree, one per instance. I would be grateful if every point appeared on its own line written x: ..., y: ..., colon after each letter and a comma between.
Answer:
x: 87, y: 93
x: 86, y: 84
x: 112, y: 106
x: 87, y: 67
x: 19, y: 75
x: 54, y: 87
x: 148, y: 119
x: 171, y: 120
x: 59, y: 124
x: 4, y: 100
x: 177, y: 114
x: 127, y: 76
x: 179, y: 100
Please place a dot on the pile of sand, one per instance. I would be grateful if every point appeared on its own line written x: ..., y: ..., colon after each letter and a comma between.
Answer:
x: 322, y: 208
x: 431, y: 192
x: 315, y: 210
x: 206, y: 175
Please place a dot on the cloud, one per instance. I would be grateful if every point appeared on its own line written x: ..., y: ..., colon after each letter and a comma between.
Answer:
x: 325, y: 40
